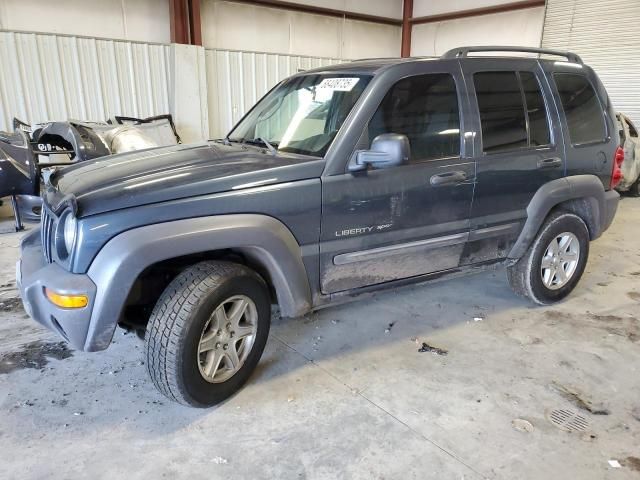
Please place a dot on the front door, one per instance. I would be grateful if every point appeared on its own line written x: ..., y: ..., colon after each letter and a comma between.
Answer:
x: 381, y: 225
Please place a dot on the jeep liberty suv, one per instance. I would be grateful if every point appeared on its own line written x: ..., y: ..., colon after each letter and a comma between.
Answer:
x: 339, y: 181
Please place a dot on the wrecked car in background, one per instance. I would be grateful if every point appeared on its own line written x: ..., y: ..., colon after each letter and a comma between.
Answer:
x: 19, y: 173
x: 80, y: 141
x: 29, y: 149
x: 631, y: 166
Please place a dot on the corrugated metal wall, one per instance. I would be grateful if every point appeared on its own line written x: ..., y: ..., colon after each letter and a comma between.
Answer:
x: 54, y: 77
x: 605, y: 34
x: 47, y: 77
x: 236, y: 80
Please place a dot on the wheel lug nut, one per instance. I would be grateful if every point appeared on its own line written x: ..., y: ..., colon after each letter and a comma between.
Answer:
x: 217, y: 345
x: 226, y: 346
x: 228, y: 326
x: 219, y: 332
x: 232, y: 334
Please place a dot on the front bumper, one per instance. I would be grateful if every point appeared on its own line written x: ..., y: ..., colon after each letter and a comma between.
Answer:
x: 611, y: 199
x: 34, y: 274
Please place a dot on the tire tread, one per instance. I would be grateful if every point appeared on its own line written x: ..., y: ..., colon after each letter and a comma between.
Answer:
x: 519, y: 274
x: 169, y: 320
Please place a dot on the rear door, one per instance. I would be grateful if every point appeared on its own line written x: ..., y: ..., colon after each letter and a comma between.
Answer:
x: 387, y: 224
x: 518, y: 147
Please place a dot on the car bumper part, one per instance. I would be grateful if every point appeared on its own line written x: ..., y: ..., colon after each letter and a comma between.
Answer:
x: 34, y: 274
x: 611, y: 199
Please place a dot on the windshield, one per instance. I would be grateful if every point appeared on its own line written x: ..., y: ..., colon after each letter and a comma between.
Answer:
x: 303, y: 114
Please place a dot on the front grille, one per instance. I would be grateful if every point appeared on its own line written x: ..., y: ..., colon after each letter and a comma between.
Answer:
x: 47, y: 221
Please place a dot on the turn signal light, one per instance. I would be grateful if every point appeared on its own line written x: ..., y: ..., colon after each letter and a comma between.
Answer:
x: 66, y: 301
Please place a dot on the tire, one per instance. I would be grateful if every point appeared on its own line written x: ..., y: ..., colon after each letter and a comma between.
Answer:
x: 527, y: 277
x: 185, y: 320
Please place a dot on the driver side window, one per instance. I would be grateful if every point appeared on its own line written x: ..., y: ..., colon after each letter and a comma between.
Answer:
x: 425, y: 109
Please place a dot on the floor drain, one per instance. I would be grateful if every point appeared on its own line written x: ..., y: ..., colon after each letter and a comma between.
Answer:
x: 568, y: 420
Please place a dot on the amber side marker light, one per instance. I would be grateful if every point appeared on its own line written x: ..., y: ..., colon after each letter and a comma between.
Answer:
x: 66, y: 301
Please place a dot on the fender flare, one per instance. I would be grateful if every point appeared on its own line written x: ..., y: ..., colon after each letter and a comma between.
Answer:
x: 260, y: 237
x: 587, y: 188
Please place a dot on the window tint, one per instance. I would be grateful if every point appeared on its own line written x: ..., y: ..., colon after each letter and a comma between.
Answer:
x: 425, y: 109
x: 501, y: 111
x: 536, y: 111
x: 581, y: 108
x: 508, y: 120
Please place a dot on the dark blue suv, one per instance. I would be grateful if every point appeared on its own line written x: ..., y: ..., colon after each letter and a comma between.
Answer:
x: 341, y: 181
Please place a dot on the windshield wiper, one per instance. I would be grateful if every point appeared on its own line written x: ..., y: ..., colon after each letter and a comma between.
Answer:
x: 261, y: 141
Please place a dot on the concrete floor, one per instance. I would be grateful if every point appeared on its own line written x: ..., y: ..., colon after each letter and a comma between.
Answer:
x: 340, y: 395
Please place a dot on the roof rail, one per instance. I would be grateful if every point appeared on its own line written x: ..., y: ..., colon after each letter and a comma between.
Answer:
x: 464, y: 52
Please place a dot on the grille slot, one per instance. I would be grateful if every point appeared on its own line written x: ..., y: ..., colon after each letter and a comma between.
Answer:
x: 46, y: 233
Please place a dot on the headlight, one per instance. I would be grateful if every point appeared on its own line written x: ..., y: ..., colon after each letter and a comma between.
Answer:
x: 66, y: 234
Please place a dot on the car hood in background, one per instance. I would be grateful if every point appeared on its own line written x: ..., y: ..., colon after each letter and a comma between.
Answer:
x: 168, y: 173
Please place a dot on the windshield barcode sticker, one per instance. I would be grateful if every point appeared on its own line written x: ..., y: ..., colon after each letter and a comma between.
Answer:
x: 339, y: 84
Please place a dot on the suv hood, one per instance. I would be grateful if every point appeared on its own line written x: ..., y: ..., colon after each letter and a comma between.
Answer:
x: 168, y: 173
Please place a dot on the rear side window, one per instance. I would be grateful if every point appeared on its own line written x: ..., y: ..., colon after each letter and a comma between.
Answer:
x: 512, y: 111
x: 501, y: 111
x: 582, y: 108
x: 536, y: 111
x: 425, y: 109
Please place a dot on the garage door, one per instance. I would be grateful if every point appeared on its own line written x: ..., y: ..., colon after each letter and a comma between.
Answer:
x: 606, y: 34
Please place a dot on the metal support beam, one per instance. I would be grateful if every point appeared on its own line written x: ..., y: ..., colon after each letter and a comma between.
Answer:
x: 407, y: 13
x: 184, y: 18
x: 299, y: 7
x: 178, y: 21
x: 195, y: 24
x: 474, y: 12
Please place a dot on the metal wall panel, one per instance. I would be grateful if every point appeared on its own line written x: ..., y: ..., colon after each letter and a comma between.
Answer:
x: 605, y: 34
x: 55, y: 77
x: 236, y: 80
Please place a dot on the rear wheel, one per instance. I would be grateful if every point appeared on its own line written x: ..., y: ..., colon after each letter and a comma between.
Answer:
x: 207, y: 333
x: 555, y: 261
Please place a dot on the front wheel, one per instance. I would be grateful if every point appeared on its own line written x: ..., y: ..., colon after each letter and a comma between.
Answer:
x: 552, y: 266
x: 207, y: 333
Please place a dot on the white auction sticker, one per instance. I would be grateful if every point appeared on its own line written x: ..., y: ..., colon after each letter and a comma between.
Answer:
x: 344, y: 84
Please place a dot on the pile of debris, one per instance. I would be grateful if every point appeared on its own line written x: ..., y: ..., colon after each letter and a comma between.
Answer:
x: 29, y: 149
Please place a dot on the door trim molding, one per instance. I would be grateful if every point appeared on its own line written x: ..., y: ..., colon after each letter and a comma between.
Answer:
x: 375, y: 253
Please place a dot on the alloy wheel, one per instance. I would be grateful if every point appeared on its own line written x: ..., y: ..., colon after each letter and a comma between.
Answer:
x: 560, y: 260
x: 227, y: 338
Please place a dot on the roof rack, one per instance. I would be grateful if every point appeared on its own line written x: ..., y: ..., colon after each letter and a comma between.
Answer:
x: 464, y: 52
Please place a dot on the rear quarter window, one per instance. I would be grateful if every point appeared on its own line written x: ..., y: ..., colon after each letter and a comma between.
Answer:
x: 582, y: 109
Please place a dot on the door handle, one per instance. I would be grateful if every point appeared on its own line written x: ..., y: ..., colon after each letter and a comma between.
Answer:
x: 550, y: 162
x: 447, y: 178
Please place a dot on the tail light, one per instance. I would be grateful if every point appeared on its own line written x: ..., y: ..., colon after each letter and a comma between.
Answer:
x: 616, y: 173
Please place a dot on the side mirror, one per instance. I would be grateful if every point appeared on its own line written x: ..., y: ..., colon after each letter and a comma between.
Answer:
x: 387, y: 150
